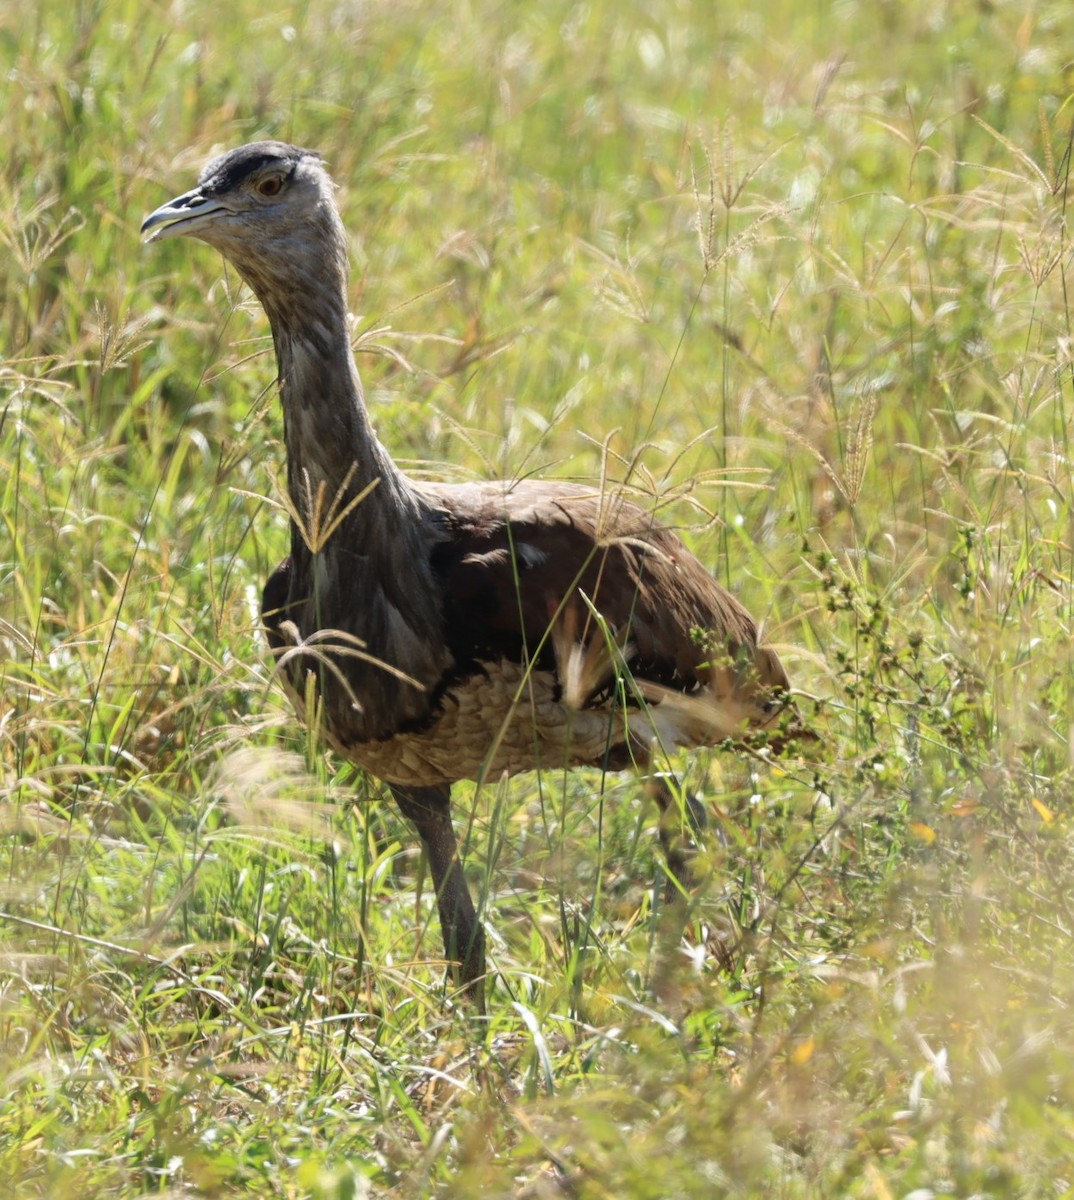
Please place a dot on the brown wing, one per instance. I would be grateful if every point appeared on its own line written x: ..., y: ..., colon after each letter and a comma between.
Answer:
x: 526, y: 569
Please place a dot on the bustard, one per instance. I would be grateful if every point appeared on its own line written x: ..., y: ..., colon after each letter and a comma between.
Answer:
x: 457, y: 630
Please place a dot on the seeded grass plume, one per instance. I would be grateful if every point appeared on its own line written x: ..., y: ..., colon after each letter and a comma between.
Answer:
x: 797, y: 278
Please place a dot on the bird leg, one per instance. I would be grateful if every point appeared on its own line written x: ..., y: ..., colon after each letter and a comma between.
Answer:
x: 680, y: 820
x: 428, y: 809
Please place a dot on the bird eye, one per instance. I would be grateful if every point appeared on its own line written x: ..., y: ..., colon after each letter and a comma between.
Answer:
x: 270, y: 186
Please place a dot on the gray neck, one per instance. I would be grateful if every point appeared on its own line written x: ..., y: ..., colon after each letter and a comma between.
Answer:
x: 332, y: 452
x: 360, y: 555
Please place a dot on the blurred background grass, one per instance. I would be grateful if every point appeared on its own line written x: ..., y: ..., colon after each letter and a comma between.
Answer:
x: 795, y: 273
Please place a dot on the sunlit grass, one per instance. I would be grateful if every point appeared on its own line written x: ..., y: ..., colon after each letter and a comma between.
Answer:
x: 796, y: 276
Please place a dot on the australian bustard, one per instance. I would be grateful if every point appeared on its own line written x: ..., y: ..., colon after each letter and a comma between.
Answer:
x: 457, y: 631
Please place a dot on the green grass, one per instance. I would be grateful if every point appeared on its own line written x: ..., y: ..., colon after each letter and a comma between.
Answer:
x: 796, y: 275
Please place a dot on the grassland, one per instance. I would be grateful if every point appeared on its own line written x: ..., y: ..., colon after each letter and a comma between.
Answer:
x: 797, y: 273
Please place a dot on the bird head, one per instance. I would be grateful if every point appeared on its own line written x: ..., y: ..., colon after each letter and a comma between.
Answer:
x: 268, y: 207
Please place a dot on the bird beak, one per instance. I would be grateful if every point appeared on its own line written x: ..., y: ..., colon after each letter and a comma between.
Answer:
x: 185, y: 214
